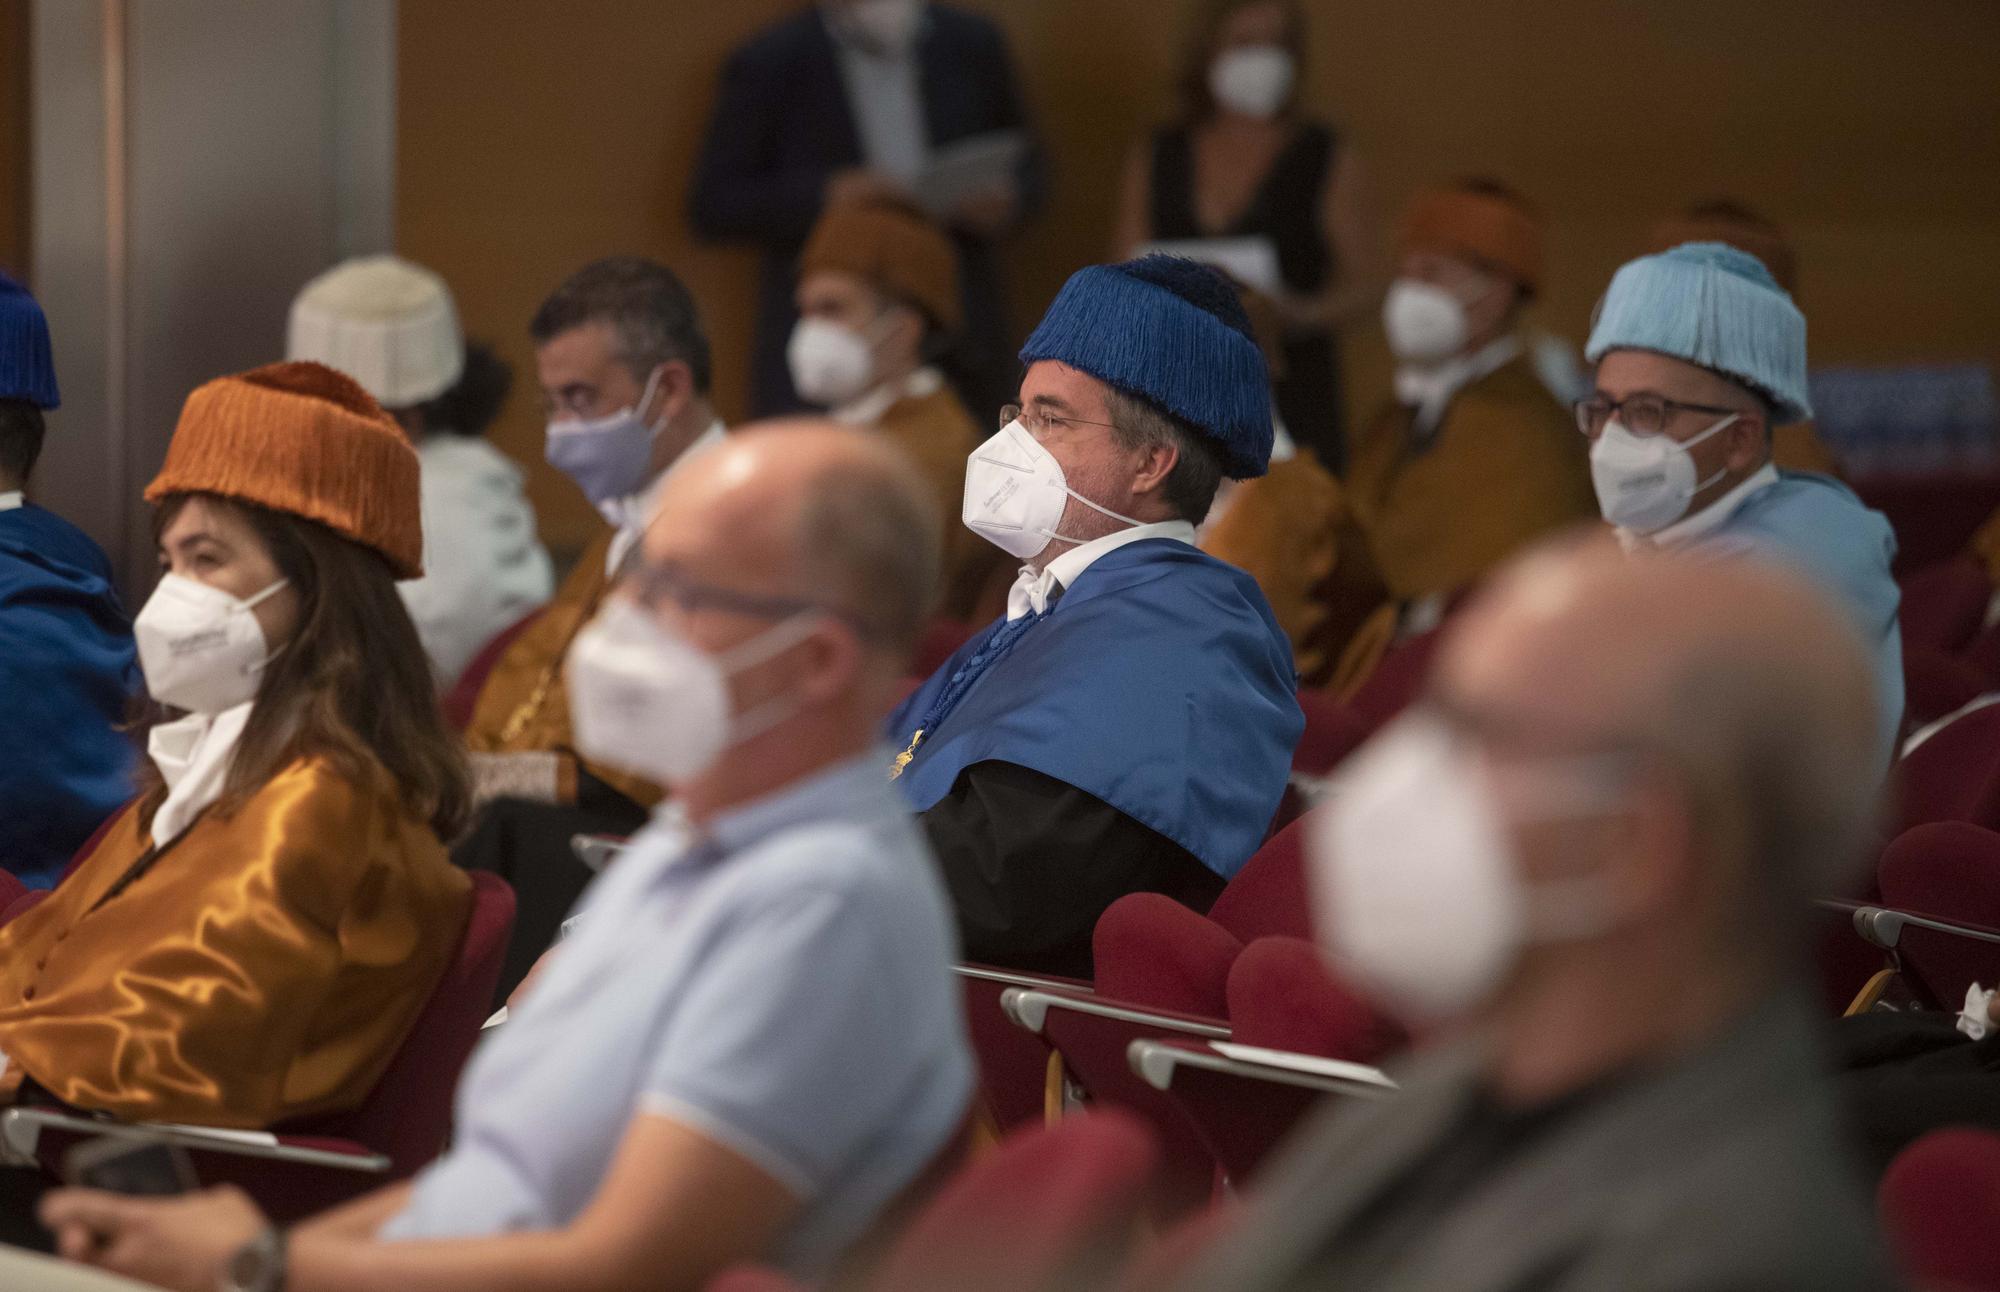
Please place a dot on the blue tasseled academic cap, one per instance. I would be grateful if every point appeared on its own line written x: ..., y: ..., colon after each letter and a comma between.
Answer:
x: 1714, y: 306
x: 1173, y: 333
x: 27, y: 364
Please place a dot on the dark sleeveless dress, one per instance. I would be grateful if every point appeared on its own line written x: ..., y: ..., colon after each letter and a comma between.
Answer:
x: 1285, y: 209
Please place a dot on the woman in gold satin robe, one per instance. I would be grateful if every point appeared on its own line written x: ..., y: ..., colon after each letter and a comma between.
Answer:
x: 253, y: 936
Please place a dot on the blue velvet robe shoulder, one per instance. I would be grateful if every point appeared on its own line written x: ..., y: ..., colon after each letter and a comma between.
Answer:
x: 67, y: 670
x: 1159, y: 683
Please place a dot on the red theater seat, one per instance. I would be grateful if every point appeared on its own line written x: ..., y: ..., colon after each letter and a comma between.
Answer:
x: 1939, y: 1204
x: 1954, y: 775
x: 1949, y: 871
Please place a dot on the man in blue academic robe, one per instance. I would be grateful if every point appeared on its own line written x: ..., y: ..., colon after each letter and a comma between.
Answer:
x: 67, y: 666
x: 1128, y: 724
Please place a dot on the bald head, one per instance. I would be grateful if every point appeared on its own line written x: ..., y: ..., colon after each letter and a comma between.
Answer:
x: 809, y: 510
x: 1736, y: 672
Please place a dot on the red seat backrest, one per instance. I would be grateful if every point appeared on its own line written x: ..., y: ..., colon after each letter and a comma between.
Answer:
x: 1268, y: 896
x: 1333, y: 731
x: 459, y: 702
x: 1955, y: 774
x: 1944, y: 604
x: 408, y: 1114
x: 942, y: 638
x: 1147, y: 949
x: 1937, y: 683
x: 1949, y: 870
x: 1939, y: 1204
x: 1283, y: 996
x: 1051, y: 1206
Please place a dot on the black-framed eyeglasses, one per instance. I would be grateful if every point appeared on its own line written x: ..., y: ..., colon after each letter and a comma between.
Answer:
x: 1642, y: 414
x: 1041, y: 423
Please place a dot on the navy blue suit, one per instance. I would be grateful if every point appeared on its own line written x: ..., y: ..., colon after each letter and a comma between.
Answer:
x: 782, y: 126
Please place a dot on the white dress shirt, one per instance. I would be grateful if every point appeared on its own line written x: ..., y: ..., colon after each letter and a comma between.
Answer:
x: 1033, y: 590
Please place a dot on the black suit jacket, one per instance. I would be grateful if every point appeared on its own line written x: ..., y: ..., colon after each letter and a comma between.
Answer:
x: 782, y: 126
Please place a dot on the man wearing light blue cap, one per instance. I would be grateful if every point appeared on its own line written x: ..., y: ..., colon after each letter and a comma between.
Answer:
x: 1128, y: 724
x: 1699, y: 354
x: 67, y: 663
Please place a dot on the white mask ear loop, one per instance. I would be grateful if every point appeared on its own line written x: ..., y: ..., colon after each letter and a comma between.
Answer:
x: 766, y: 646
x: 252, y: 603
x: 1064, y: 538
x: 1691, y: 442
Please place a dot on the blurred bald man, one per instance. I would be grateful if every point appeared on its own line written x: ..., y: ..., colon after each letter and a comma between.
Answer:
x: 751, y: 1043
x: 1581, y: 869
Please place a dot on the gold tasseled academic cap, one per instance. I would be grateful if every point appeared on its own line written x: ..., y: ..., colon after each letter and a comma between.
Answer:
x: 896, y: 247
x: 302, y: 438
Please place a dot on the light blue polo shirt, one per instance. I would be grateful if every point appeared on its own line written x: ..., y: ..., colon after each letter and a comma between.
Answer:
x: 782, y: 985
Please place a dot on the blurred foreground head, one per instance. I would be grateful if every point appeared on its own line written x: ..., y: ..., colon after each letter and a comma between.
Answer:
x: 1630, y: 771
x: 784, y: 579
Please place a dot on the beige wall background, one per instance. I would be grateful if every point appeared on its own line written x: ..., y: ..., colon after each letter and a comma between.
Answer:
x: 534, y: 137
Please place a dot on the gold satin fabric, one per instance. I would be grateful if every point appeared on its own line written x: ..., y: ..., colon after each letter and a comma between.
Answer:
x: 524, y: 704
x: 1504, y: 467
x: 938, y: 434
x: 1292, y: 530
x: 267, y: 966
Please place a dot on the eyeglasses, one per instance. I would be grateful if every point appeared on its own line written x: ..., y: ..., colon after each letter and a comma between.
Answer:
x: 655, y: 584
x: 1041, y: 423
x: 1639, y: 414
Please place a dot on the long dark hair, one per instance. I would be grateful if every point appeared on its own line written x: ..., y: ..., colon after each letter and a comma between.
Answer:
x: 353, y: 685
x: 1197, y: 101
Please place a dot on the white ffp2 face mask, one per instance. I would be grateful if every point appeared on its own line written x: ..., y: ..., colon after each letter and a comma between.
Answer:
x: 651, y: 702
x: 830, y: 364
x: 611, y: 456
x: 1423, y: 322
x: 1644, y: 483
x: 200, y: 648
x: 1015, y: 493
x: 1253, y: 80
x: 1417, y: 892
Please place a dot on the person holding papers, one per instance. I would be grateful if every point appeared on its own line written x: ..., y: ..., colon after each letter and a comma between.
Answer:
x: 1243, y: 180
x: 852, y: 99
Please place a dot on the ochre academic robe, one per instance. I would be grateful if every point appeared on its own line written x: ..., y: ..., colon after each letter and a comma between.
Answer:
x: 1504, y: 466
x: 524, y: 705
x: 938, y: 434
x: 266, y: 964
x: 1293, y: 531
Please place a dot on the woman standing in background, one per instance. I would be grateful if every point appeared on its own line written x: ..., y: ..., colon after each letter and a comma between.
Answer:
x: 1240, y: 163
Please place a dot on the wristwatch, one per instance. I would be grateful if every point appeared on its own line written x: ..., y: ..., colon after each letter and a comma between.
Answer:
x: 257, y: 1266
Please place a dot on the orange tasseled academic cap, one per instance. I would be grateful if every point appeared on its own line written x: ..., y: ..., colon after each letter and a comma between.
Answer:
x: 1483, y: 223
x: 894, y: 246
x: 302, y: 438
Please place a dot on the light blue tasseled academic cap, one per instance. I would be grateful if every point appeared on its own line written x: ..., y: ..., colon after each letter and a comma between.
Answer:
x: 1713, y: 306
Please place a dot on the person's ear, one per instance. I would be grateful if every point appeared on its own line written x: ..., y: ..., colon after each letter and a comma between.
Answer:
x: 831, y: 660
x: 673, y: 391
x: 1156, y: 463
x: 905, y: 330
x: 1749, y: 442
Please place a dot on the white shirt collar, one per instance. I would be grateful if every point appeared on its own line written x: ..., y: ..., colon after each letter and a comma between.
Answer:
x: 12, y: 499
x: 1032, y: 591
x: 1431, y: 387
x: 1712, y: 517
x: 868, y: 409
x: 628, y: 515
x: 194, y: 755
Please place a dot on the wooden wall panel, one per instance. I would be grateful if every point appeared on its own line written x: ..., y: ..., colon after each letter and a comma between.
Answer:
x: 532, y: 137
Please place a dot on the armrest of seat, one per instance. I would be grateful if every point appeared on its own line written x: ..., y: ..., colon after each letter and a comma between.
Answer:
x: 1156, y: 1061
x: 21, y: 1130
x: 1883, y: 926
x: 1029, y: 1008
x: 1015, y: 978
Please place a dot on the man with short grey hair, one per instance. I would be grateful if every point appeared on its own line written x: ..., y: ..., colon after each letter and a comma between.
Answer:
x: 1580, y: 870
x: 753, y: 1045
